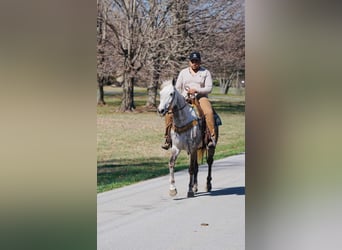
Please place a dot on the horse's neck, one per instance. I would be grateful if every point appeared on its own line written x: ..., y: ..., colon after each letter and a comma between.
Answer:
x: 184, y: 113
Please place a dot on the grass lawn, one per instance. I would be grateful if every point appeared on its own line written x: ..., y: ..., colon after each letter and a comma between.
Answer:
x: 128, y: 144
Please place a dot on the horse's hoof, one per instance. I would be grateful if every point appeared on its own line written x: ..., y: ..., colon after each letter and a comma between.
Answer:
x: 208, y: 187
x: 172, y: 192
x: 191, y: 194
x: 195, y: 188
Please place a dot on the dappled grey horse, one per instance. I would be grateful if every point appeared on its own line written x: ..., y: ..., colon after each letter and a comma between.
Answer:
x: 186, y: 134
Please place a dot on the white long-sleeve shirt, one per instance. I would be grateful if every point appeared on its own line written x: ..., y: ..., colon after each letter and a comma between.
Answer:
x: 201, y: 81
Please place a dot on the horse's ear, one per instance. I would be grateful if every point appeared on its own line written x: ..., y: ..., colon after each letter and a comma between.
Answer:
x: 173, y: 81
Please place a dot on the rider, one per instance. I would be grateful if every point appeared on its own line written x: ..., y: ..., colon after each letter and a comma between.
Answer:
x: 194, y: 79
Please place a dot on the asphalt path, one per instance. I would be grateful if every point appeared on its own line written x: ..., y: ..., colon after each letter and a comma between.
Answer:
x: 144, y: 216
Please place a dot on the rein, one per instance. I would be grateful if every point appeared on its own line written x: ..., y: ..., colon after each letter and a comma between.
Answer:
x: 171, y: 110
x: 179, y: 130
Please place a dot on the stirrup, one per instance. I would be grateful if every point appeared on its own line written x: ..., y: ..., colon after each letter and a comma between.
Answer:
x: 166, y: 145
x: 212, y: 143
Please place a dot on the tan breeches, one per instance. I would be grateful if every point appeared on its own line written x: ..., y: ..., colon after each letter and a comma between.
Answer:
x: 208, y: 114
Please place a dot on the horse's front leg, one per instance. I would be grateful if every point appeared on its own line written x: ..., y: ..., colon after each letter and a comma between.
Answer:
x: 174, y: 154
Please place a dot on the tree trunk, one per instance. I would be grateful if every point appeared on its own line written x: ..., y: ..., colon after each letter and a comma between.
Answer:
x: 152, y: 95
x: 100, y: 96
x: 238, y: 79
x: 100, y: 93
x: 127, y: 103
x: 224, y: 85
x: 153, y: 88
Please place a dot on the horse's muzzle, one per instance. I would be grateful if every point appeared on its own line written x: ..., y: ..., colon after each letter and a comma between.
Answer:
x: 162, y: 112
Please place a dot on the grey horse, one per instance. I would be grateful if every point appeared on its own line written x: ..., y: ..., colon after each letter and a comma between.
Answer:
x: 186, y: 134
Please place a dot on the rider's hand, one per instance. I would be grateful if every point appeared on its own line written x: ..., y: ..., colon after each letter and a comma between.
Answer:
x: 192, y: 91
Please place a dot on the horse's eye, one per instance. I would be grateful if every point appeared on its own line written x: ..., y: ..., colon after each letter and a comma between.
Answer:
x: 171, y: 94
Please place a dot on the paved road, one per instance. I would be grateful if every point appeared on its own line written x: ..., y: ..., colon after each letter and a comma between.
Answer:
x: 144, y: 216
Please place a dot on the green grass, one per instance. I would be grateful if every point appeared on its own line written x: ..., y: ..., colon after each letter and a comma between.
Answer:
x: 128, y: 144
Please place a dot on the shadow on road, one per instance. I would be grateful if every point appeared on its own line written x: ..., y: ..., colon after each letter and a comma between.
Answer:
x: 219, y: 192
x: 224, y: 191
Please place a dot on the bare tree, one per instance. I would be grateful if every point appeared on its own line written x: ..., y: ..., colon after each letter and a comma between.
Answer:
x: 167, y: 47
x: 221, y: 36
x: 109, y: 65
x: 101, y: 58
x: 157, y: 12
x: 127, y: 24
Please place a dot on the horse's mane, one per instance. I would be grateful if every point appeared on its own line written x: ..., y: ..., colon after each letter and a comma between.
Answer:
x: 166, y: 83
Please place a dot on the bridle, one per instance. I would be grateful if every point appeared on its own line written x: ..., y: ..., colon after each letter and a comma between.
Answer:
x: 171, y: 109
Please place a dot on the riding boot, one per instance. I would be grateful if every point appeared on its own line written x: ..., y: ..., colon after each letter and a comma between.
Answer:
x: 211, y: 126
x: 168, y: 125
x: 168, y: 143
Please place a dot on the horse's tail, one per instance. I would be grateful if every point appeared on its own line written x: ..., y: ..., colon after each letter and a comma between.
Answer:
x: 200, y: 154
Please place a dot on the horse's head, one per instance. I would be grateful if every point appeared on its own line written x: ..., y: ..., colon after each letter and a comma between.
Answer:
x: 167, y: 96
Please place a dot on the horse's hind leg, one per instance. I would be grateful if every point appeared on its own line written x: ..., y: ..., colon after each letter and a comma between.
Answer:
x: 193, y: 162
x: 210, y: 160
x: 195, y: 185
x: 174, y: 154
